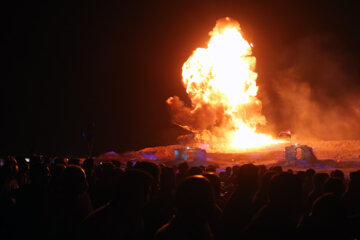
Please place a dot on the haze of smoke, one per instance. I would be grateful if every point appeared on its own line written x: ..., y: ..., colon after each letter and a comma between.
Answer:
x: 316, y: 92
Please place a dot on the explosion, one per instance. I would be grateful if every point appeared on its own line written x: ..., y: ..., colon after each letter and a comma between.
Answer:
x: 221, y: 84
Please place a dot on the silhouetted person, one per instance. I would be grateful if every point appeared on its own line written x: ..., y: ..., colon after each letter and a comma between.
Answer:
x: 261, y: 196
x: 215, y: 220
x: 318, y: 181
x: 279, y: 218
x: 152, y: 220
x: 307, y: 183
x: 239, y: 209
x: 69, y: 207
x: 105, y: 185
x: 57, y: 177
x: 327, y: 219
x: 22, y: 177
x: 31, y: 199
x: 152, y: 168
x: 8, y: 172
x: 334, y: 185
x: 351, y: 198
x: 194, y: 201
x: 122, y: 218
x: 165, y: 201
x: 182, y: 174
x: 231, y: 183
x: 89, y: 168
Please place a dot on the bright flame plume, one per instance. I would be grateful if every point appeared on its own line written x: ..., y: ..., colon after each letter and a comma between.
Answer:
x: 221, y: 83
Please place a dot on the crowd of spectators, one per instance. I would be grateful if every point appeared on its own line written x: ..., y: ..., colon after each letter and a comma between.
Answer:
x: 59, y: 199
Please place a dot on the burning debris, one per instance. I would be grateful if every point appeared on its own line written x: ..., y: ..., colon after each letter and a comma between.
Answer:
x: 221, y: 83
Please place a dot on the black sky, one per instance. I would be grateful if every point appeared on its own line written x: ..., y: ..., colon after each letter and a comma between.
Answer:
x: 70, y: 63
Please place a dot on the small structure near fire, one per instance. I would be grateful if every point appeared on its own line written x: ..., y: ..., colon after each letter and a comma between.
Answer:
x: 194, y: 156
x: 307, y: 154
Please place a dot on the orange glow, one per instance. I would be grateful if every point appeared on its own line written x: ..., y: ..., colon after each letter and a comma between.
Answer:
x: 222, y: 76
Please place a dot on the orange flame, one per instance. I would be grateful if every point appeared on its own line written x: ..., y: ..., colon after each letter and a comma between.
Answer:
x: 220, y: 80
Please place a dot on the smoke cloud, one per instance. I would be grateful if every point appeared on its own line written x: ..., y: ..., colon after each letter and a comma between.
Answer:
x: 316, y: 94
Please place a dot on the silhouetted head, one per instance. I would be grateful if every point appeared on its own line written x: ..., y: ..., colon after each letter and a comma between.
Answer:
x: 150, y: 167
x: 214, y: 181
x: 194, y: 199
x: 183, y: 167
x: 248, y: 175
x: 319, y: 180
x: 195, y: 171
x: 265, y: 180
x: 133, y: 187
x: 58, y: 171
x: 337, y: 174
x: 39, y: 174
x: 228, y: 170
x: 301, y: 175
x: 355, y: 179
x: 310, y: 173
x: 74, y: 180
x: 334, y: 185
x: 285, y: 190
x: 107, y: 169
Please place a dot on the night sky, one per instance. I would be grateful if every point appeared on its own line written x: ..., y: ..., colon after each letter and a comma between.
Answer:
x: 67, y: 64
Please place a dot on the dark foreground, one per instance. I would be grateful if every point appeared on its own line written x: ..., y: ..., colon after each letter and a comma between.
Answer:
x: 60, y: 199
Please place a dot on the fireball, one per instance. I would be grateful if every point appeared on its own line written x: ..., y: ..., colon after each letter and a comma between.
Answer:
x: 220, y: 81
